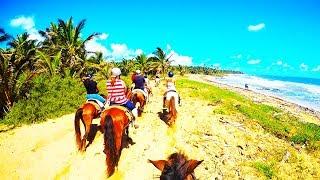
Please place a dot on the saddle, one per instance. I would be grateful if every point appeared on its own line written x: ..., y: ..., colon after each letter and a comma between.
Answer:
x: 126, y: 111
x: 97, y: 104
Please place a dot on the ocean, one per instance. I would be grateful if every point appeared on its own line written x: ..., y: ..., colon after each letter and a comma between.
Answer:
x: 302, y: 91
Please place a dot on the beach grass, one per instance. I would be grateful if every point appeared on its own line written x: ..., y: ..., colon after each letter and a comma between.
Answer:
x: 264, y: 169
x: 275, y: 121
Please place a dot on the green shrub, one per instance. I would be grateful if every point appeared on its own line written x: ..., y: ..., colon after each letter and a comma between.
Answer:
x: 49, y: 98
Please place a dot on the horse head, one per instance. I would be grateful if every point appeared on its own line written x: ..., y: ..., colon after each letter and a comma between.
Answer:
x: 176, y: 167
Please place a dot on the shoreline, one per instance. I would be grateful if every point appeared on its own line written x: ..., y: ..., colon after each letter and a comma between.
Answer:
x: 258, y: 97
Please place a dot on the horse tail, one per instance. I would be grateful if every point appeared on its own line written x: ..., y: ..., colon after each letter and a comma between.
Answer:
x: 110, y: 145
x: 77, y: 118
x: 172, y: 107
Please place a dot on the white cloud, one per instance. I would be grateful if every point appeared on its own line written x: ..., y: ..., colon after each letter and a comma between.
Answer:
x: 179, y: 59
x: 94, y: 46
x: 138, y: 51
x: 281, y: 63
x: 103, y: 36
x: 117, y: 51
x: 120, y: 51
x: 254, y: 61
x: 316, y: 69
x: 27, y: 24
x: 304, y: 67
x: 256, y: 27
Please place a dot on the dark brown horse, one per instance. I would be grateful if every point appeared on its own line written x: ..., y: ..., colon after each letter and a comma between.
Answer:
x: 87, y: 112
x: 177, y: 167
x: 172, y: 111
x: 115, y: 122
x: 137, y: 96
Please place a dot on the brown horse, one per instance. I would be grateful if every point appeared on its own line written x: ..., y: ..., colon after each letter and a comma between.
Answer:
x: 115, y: 122
x: 176, y: 167
x: 172, y: 111
x: 138, y: 97
x: 87, y: 112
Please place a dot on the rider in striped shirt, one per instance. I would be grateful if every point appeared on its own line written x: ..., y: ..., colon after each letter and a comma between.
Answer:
x: 117, y: 92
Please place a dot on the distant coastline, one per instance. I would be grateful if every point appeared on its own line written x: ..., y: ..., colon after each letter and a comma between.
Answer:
x: 303, y: 94
x: 260, y: 97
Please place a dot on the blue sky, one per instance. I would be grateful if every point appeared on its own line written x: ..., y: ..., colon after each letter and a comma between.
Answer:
x: 274, y: 37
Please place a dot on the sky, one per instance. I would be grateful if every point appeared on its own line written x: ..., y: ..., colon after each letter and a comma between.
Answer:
x: 264, y: 37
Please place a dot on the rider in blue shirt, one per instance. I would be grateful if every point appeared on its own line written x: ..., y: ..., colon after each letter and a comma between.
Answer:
x: 139, y: 81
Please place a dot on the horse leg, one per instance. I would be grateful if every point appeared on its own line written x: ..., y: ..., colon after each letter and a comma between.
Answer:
x: 127, y: 131
x: 164, y: 102
x: 102, y: 123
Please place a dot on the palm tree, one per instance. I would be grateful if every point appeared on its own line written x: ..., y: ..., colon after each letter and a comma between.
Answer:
x: 161, y: 61
x: 65, y: 37
x: 143, y: 63
x: 104, y: 70
x: 97, y: 58
x: 4, y: 36
x: 49, y: 64
x: 16, y: 71
x: 126, y: 66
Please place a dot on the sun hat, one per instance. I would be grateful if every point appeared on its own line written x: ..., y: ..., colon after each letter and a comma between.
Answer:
x: 115, y: 72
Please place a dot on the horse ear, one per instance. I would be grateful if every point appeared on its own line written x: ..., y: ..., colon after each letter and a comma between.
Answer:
x: 159, y: 164
x: 191, y: 165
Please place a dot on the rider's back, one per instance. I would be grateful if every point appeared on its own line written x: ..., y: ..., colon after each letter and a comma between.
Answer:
x: 116, y: 91
x: 139, y: 82
x: 170, y: 83
x: 91, y: 86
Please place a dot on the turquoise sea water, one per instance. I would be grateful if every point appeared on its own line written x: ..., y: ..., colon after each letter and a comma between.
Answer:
x: 302, y: 91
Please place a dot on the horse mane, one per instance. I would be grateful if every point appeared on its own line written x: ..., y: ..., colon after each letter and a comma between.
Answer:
x: 177, y: 159
x: 110, y: 145
x: 176, y: 165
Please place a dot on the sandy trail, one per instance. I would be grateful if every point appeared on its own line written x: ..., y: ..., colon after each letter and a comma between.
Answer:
x: 47, y: 150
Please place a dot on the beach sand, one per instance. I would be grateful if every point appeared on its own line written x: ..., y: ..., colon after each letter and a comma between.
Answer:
x: 230, y: 149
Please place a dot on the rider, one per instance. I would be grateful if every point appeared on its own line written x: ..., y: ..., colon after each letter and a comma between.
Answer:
x: 138, y: 80
x: 117, y: 92
x: 139, y: 83
x: 92, y: 90
x: 170, y: 84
